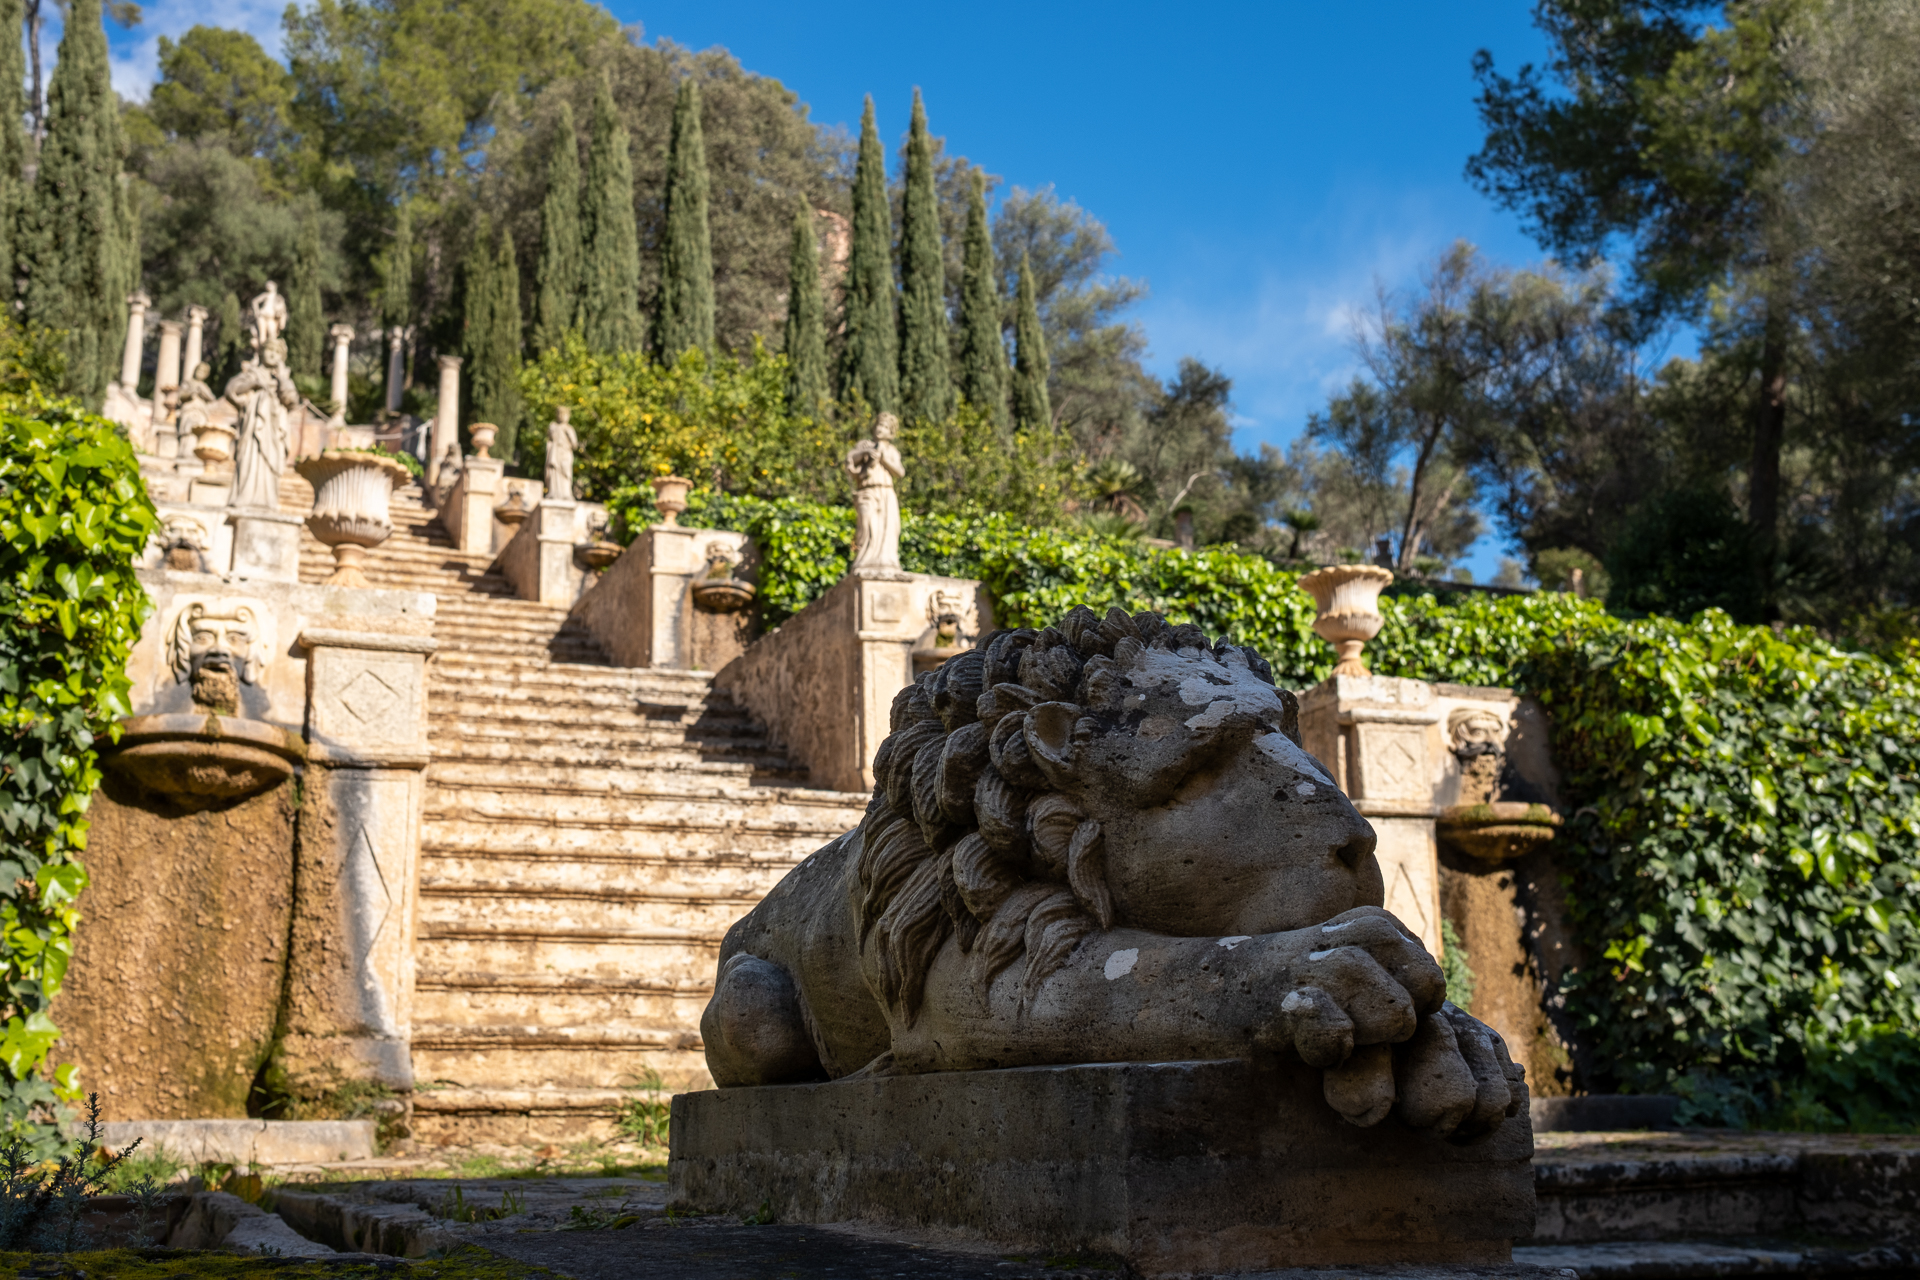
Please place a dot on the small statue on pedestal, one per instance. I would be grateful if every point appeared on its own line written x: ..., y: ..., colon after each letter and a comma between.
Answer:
x: 561, y: 442
x: 874, y: 465
x: 263, y: 391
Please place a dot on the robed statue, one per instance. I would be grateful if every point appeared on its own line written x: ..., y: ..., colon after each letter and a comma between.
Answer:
x: 263, y: 392
x: 874, y: 465
x: 561, y: 442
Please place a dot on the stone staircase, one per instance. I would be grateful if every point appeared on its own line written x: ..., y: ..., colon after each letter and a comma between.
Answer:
x: 591, y: 832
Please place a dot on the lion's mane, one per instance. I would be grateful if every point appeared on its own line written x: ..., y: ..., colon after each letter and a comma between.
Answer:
x: 964, y: 836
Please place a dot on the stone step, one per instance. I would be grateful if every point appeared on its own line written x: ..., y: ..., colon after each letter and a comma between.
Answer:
x: 542, y: 910
x: 704, y: 877
x: 516, y: 842
x: 669, y: 957
x: 733, y: 741
x: 675, y: 795
x: 527, y: 1061
x: 764, y: 765
x: 493, y: 1000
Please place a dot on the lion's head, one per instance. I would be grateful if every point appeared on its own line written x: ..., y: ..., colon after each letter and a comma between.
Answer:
x: 1101, y: 772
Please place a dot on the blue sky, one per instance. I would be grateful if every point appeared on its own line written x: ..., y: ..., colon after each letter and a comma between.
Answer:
x: 1262, y: 167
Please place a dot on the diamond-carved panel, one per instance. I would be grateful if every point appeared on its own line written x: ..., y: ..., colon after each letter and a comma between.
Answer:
x: 368, y: 899
x: 368, y: 698
x: 1394, y: 763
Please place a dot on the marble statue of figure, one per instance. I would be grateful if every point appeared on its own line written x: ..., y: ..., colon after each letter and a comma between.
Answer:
x: 267, y: 316
x: 1103, y: 842
x: 196, y: 398
x: 263, y: 391
x: 561, y: 442
x: 874, y: 465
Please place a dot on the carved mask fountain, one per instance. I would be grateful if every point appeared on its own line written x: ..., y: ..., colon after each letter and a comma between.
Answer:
x: 209, y: 741
x: 717, y: 590
x: 1483, y: 825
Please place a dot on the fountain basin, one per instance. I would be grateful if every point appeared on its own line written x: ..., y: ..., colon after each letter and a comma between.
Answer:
x: 1499, y: 831
x: 199, y: 760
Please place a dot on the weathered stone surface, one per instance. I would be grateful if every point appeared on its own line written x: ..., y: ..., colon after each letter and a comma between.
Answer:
x: 640, y: 609
x: 247, y: 1142
x: 1177, y: 1167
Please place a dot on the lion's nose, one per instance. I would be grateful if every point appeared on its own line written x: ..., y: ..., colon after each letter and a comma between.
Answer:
x: 1360, y: 845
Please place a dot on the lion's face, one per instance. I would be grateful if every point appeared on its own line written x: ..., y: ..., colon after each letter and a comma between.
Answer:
x: 1216, y: 822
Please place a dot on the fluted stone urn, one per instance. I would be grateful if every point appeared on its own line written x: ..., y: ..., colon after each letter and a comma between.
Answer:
x: 1348, y: 599
x: 670, y: 496
x: 351, y: 491
x: 212, y: 440
x: 483, y: 434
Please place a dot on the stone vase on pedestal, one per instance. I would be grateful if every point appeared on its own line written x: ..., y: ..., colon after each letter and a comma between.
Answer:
x: 670, y: 495
x: 212, y: 441
x: 1348, y: 600
x: 351, y: 490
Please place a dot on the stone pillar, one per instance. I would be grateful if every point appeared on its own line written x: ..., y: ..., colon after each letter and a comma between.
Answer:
x: 446, y: 420
x: 266, y: 544
x: 166, y: 374
x: 137, y: 304
x: 342, y: 337
x: 468, y: 510
x: 196, y: 333
x: 350, y: 1009
x: 396, y: 366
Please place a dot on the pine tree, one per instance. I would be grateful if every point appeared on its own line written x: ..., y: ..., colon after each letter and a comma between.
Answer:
x: 686, y: 272
x: 560, y: 265
x: 806, y: 323
x: 867, y: 366
x: 13, y: 144
x: 492, y: 337
x: 983, y: 351
x: 610, y: 297
x: 77, y: 248
x: 926, y: 377
x: 306, y: 324
x: 1031, y: 407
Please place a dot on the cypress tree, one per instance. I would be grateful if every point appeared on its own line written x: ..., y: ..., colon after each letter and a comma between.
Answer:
x: 610, y: 297
x: 396, y: 273
x: 306, y: 325
x: 232, y: 337
x: 926, y: 377
x: 1031, y: 407
x: 13, y: 143
x: 77, y: 248
x: 686, y: 274
x: 560, y: 249
x: 492, y: 338
x: 806, y: 322
x: 867, y: 366
x: 983, y: 351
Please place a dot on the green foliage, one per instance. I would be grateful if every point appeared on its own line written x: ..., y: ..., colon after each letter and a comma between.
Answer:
x: 220, y: 86
x: 982, y: 358
x: 1684, y: 551
x: 868, y: 371
x: 13, y: 136
x: 721, y: 422
x: 396, y: 273
x: 1031, y: 406
x: 643, y: 1114
x: 610, y: 305
x: 560, y: 248
x: 73, y: 516
x: 686, y: 277
x: 77, y: 238
x: 1457, y: 965
x: 926, y: 384
x: 492, y: 338
x: 306, y: 319
x: 806, y: 335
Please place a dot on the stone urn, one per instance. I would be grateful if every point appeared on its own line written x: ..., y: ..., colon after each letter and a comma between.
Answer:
x: 483, y: 434
x: 199, y: 760
x: 212, y: 440
x: 514, y: 511
x: 1348, y: 599
x: 351, y: 489
x: 670, y: 496
x: 1497, y: 831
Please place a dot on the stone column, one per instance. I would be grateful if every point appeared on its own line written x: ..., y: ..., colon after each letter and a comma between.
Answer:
x: 342, y: 336
x: 350, y: 1012
x: 446, y: 421
x: 166, y: 374
x: 396, y: 366
x: 196, y: 332
x: 137, y: 304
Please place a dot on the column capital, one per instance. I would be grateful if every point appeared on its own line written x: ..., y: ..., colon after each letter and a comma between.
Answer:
x: 170, y: 326
x: 450, y: 364
x: 196, y: 315
x: 341, y: 333
x: 139, y: 301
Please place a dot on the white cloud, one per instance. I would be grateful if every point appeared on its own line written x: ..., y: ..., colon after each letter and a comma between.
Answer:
x: 135, y: 55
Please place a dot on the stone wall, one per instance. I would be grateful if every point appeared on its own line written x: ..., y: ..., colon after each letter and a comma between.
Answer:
x: 170, y: 1001
x: 641, y: 608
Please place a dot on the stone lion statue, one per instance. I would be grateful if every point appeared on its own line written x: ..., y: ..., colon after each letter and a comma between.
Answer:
x: 1101, y: 842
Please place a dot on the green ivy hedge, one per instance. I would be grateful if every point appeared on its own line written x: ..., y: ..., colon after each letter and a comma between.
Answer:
x: 1743, y: 858
x: 73, y: 516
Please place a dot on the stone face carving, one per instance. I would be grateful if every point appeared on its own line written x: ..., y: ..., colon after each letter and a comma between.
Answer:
x: 1098, y: 843
x: 561, y: 442
x: 874, y: 465
x: 263, y: 391
x: 1476, y: 737
x: 216, y: 644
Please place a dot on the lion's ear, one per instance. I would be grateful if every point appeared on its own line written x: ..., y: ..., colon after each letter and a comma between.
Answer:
x: 1049, y: 734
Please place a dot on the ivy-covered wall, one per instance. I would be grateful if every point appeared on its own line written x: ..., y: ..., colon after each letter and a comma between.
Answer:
x: 1744, y: 849
x: 73, y: 515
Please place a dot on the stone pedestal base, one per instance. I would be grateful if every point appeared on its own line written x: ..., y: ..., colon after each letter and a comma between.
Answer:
x: 1176, y: 1167
x: 266, y: 544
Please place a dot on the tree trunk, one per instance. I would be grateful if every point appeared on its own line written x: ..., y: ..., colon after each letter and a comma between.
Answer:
x: 1769, y: 426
